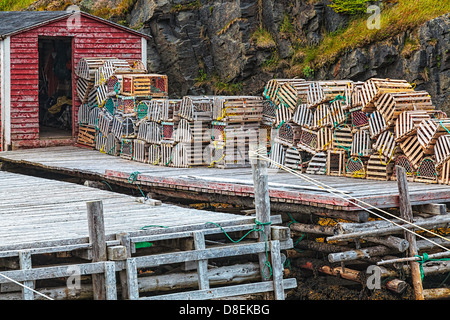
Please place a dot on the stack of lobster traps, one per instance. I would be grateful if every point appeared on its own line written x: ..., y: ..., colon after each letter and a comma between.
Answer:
x: 358, y: 129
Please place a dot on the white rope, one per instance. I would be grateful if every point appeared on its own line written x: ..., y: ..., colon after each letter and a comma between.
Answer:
x: 336, y: 191
x: 20, y: 284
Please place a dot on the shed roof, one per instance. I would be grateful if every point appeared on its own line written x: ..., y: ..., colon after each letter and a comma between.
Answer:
x: 13, y: 22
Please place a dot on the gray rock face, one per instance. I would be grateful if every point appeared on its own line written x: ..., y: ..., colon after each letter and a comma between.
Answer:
x: 213, y: 38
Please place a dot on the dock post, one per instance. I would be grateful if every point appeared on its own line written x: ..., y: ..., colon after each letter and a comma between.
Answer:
x: 406, y: 214
x: 98, y: 241
x: 262, y: 202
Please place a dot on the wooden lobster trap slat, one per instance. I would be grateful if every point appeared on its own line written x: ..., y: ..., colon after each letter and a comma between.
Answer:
x: 336, y: 160
x: 238, y: 109
x: 104, y: 123
x: 282, y: 114
x: 337, y: 114
x: 86, y: 135
x: 271, y: 90
x: 100, y: 142
x: 391, y: 105
x: 196, y: 108
x: 84, y: 87
x: 377, y: 124
x: 87, y: 67
x: 342, y: 138
x: 361, y: 144
x: 373, y: 88
x: 303, y: 116
x: 126, y: 149
x: 192, y: 131
x: 83, y: 113
x: 426, y: 171
x: 413, y: 150
x: 293, y: 159
x: 321, y: 116
x: 292, y: 93
x: 324, y: 91
x: 430, y: 130
x: 150, y: 131
x: 129, y: 128
x: 93, y: 116
x: 140, y: 150
x: 353, y: 94
x: 408, y: 122
x: 404, y: 162
x: 324, y: 139
x: 308, y: 140
x: 386, y: 144
x: 318, y: 164
x: 444, y: 176
x: 379, y: 167
x: 166, y: 154
x: 154, y: 154
x: 116, y: 67
x: 144, y: 85
x: 112, y: 146
x: 442, y: 149
x: 102, y: 95
x: 355, y: 167
x: 277, y: 155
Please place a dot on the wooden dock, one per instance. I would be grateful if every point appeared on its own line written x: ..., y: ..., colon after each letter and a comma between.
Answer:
x: 43, y: 218
x: 235, y: 186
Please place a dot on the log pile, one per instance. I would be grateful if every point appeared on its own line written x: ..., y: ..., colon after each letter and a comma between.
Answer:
x: 360, y: 129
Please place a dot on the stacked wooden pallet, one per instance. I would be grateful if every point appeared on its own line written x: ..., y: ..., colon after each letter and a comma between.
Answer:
x: 359, y: 129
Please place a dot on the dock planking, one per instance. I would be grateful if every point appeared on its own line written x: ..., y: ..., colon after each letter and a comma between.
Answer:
x: 233, y: 182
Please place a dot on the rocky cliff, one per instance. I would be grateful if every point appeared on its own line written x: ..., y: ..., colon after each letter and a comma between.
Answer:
x: 236, y: 46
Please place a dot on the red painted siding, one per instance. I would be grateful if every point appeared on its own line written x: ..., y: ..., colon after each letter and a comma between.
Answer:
x: 92, y: 39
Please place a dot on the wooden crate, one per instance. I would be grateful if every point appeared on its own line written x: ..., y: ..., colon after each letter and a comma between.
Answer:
x: 442, y: 149
x: 126, y: 148
x: 318, y: 164
x: 196, y: 108
x: 288, y: 134
x: 373, y: 88
x: 278, y: 155
x: 337, y: 114
x: 282, y: 114
x: 379, y: 167
x: 192, y: 131
x: 385, y: 144
x: 361, y: 144
x: 444, y: 176
x: 308, y: 140
x: 353, y: 94
x: 144, y: 85
x: 293, y: 159
x: 303, y: 116
x: 324, y: 91
x: 426, y: 171
x: 391, y: 105
x: 336, y: 160
x: 86, y: 135
x: 413, y: 150
x: 408, y: 122
x: 292, y: 93
x: 140, y: 150
x: 238, y: 109
x: 355, y: 168
x: 342, y: 138
x: 429, y: 131
x: 154, y: 154
x: 321, y: 116
x: 324, y: 139
x: 271, y: 90
x: 377, y: 124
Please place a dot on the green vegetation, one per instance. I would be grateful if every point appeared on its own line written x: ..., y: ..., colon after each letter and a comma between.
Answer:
x: 395, y: 18
x: 14, y: 5
x: 349, y: 6
x: 263, y: 38
x: 186, y: 6
x: 286, y: 26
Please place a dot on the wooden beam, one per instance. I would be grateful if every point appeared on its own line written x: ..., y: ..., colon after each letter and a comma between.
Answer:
x: 407, y: 214
x: 98, y: 241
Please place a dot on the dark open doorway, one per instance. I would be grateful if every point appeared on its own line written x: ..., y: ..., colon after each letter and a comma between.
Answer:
x: 55, y: 87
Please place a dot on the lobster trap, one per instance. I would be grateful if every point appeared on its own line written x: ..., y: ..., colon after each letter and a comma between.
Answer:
x: 318, y: 164
x: 238, y: 109
x: 373, y: 88
x: 404, y: 162
x: 303, y: 116
x: 426, y: 171
x: 293, y: 159
x: 321, y: 116
x: 308, y: 140
x: 140, y: 150
x: 193, y: 131
x: 187, y: 155
x: 408, y: 122
x: 377, y: 124
x: 337, y: 115
x: 83, y: 113
x: 269, y: 112
x: 288, y: 134
x: 87, y: 67
x: 444, y: 177
x: 126, y: 148
x: 359, y: 118
x: 442, y: 149
x: 84, y: 87
x: 391, y: 105
x: 112, y: 146
x: 324, y: 139
x: 430, y: 130
x: 154, y: 154
x: 336, y: 160
x: 355, y: 168
x: 277, y: 155
x: 292, y: 93
x: 100, y: 142
x: 104, y: 123
x: 86, y: 136
x: 150, y: 132
x: 126, y: 105
x: 196, y: 108
x: 167, y: 130
x: 379, y: 167
x: 353, y: 94
x: 166, y: 154
x: 324, y: 91
x: 342, y: 138
x: 361, y: 144
x: 282, y: 114
x: 386, y: 144
x: 144, y: 85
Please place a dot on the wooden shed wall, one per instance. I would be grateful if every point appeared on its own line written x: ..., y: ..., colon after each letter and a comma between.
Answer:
x: 91, y: 38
